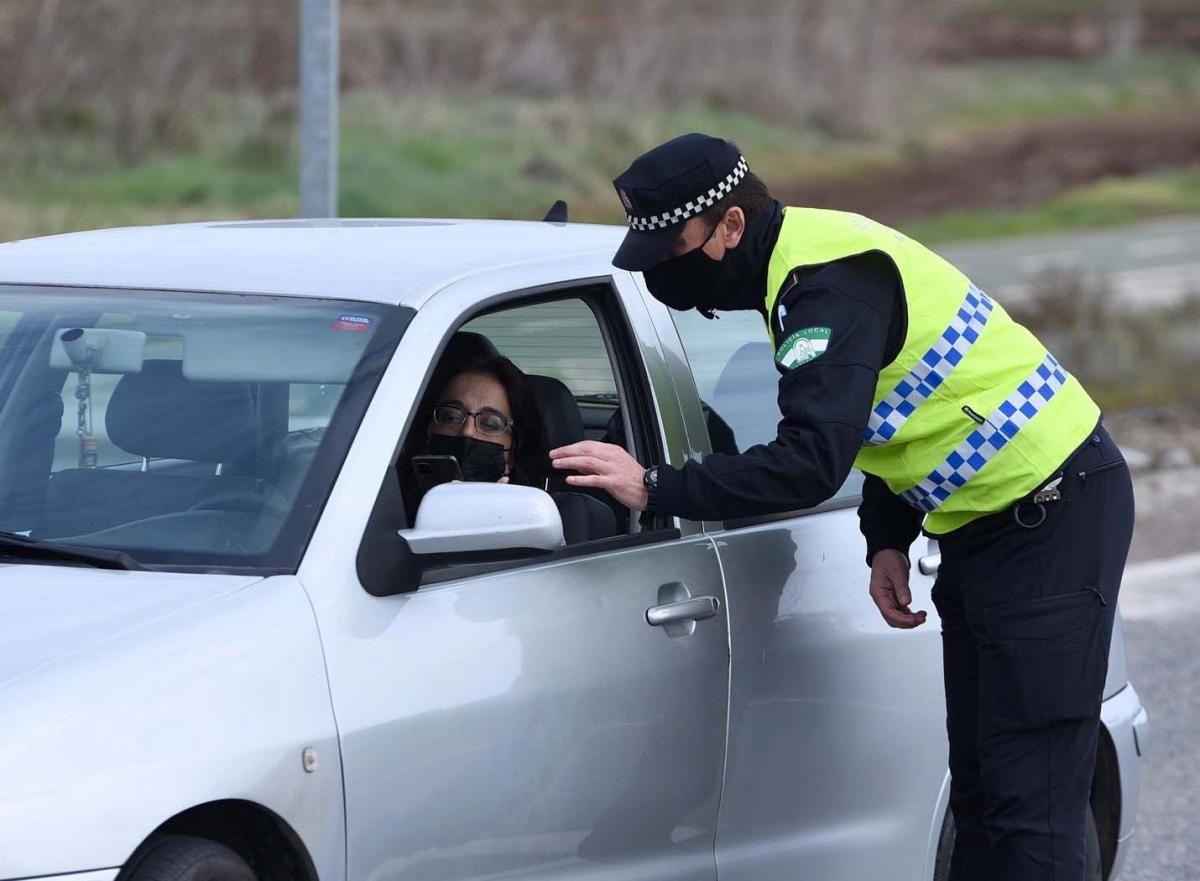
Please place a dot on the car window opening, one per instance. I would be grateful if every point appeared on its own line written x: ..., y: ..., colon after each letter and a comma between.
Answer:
x: 565, y: 358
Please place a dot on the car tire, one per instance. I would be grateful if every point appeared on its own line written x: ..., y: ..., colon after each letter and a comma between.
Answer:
x: 1093, y: 870
x: 184, y: 858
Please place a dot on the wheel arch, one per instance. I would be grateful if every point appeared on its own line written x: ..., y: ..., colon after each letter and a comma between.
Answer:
x: 261, y: 837
x: 1105, y: 802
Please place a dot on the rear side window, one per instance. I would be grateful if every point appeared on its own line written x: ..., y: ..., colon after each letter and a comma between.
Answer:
x: 561, y: 340
x: 734, y: 370
x: 558, y: 339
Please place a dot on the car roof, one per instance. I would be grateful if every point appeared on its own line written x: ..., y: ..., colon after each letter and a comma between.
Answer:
x: 381, y: 260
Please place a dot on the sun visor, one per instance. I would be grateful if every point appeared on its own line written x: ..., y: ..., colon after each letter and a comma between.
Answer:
x: 101, y: 350
x: 271, y: 351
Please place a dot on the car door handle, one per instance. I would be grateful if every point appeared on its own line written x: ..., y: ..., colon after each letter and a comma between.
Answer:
x: 930, y: 565
x: 693, y: 609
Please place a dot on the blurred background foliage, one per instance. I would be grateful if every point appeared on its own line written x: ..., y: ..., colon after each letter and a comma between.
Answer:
x: 952, y: 117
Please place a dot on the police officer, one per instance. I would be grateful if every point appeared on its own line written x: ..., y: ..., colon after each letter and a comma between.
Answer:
x: 892, y: 360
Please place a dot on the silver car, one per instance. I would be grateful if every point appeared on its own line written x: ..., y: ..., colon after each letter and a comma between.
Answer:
x: 234, y: 646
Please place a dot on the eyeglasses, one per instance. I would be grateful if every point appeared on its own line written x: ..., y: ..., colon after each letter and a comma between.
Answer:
x: 489, y: 422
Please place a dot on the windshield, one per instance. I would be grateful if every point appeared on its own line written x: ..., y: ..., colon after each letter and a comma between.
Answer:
x: 186, y: 430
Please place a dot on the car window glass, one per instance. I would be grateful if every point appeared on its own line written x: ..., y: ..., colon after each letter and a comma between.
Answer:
x: 311, y: 405
x: 734, y: 370
x: 8, y: 320
x: 183, y: 429
x: 67, y: 452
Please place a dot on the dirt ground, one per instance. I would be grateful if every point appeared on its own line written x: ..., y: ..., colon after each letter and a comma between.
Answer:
x: 1009, y: 169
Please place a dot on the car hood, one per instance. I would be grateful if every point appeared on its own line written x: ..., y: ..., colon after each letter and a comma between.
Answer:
x: 48, y: 613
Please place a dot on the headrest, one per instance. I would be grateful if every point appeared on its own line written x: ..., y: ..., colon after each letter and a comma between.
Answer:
x: 584, y: 518
x: 751, y: 366
x: 560, y: 413
x: 159, y: 414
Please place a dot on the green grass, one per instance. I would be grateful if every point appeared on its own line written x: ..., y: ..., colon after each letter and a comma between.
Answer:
x: 511, y: 157
x: 951, y: 100
x: 420, y: 157
x: 1106, y: 203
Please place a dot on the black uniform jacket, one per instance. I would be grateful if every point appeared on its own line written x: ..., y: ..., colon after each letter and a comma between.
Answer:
x: 824, y: 402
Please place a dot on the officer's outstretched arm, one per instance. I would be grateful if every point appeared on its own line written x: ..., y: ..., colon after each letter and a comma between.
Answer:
x: 830, y: 347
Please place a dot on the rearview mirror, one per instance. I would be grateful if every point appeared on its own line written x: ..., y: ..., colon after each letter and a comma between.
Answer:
x: 98, y: 349
x: 472, y: 517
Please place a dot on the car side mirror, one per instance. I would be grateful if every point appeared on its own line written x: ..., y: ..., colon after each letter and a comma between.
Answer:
x: 463, y: 518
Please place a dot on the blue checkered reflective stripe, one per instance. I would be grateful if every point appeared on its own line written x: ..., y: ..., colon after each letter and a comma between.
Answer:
x: 931, y: 371
x: 988, y: 439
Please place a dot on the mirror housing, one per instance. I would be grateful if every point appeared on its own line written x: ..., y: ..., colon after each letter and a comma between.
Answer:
x: 461, y: 518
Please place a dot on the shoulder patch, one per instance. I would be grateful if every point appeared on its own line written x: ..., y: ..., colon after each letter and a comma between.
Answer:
x: 803, y: 346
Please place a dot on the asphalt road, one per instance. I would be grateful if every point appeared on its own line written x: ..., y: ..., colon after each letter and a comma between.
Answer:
x: 1160, y: 604
x: 1150, y: 263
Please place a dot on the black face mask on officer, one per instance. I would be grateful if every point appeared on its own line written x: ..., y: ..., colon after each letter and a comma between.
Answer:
x: 479, y: 460
x: 689, y: 281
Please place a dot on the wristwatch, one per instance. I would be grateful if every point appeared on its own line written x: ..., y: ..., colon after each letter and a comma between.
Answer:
x: 650, y: 481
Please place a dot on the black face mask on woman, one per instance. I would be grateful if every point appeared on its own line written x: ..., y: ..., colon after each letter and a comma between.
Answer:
x: 688, y: 281
x: 479, y: 460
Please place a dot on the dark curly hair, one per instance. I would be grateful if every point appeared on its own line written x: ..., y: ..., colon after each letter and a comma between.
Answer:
x: 530, y: 450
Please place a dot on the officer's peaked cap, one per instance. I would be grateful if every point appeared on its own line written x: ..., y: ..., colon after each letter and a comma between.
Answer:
x: 665, y: 187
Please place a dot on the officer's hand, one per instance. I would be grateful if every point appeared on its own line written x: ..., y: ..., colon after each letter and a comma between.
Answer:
x: 889, y: 590
x: 606, y: 466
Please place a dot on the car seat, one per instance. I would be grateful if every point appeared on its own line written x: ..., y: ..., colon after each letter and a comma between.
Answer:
x: 159, y: 414
x: 585, y: 517
x: 751, y: 367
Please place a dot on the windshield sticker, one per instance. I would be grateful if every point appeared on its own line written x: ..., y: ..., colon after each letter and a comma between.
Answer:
x: 355, y: 323
x: 803, y: 346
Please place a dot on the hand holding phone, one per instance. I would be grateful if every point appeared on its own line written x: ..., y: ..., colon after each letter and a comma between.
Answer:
x: 431, y: 470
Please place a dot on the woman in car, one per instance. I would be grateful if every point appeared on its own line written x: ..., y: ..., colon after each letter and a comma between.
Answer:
x: 487, y: 417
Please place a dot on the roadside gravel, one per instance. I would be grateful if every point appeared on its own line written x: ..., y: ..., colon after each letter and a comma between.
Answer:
x: 1168, y: 513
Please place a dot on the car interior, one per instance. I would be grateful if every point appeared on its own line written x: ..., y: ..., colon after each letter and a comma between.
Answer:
x: 239, y: 426
x: 187, y: 435
x: 212, y: 452
x: 587, y: 515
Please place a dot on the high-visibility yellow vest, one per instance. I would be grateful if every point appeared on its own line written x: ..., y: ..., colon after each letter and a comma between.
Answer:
x: 973, y: 413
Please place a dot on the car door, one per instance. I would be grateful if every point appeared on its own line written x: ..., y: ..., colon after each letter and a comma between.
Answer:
x: 529, y: 718
x: 837, y: 747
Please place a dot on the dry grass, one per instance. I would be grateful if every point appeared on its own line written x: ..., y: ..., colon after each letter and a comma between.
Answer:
x: 136, y: 71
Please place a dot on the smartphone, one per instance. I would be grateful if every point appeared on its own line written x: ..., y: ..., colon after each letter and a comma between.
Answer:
x: 432, y: 470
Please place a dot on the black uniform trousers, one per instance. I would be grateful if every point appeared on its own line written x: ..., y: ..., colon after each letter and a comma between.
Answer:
x: 1027, y: 614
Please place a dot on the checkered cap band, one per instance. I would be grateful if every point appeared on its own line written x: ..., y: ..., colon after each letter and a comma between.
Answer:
x: 932, y: 370
x: 969, y: 457
x: 695, y: 206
